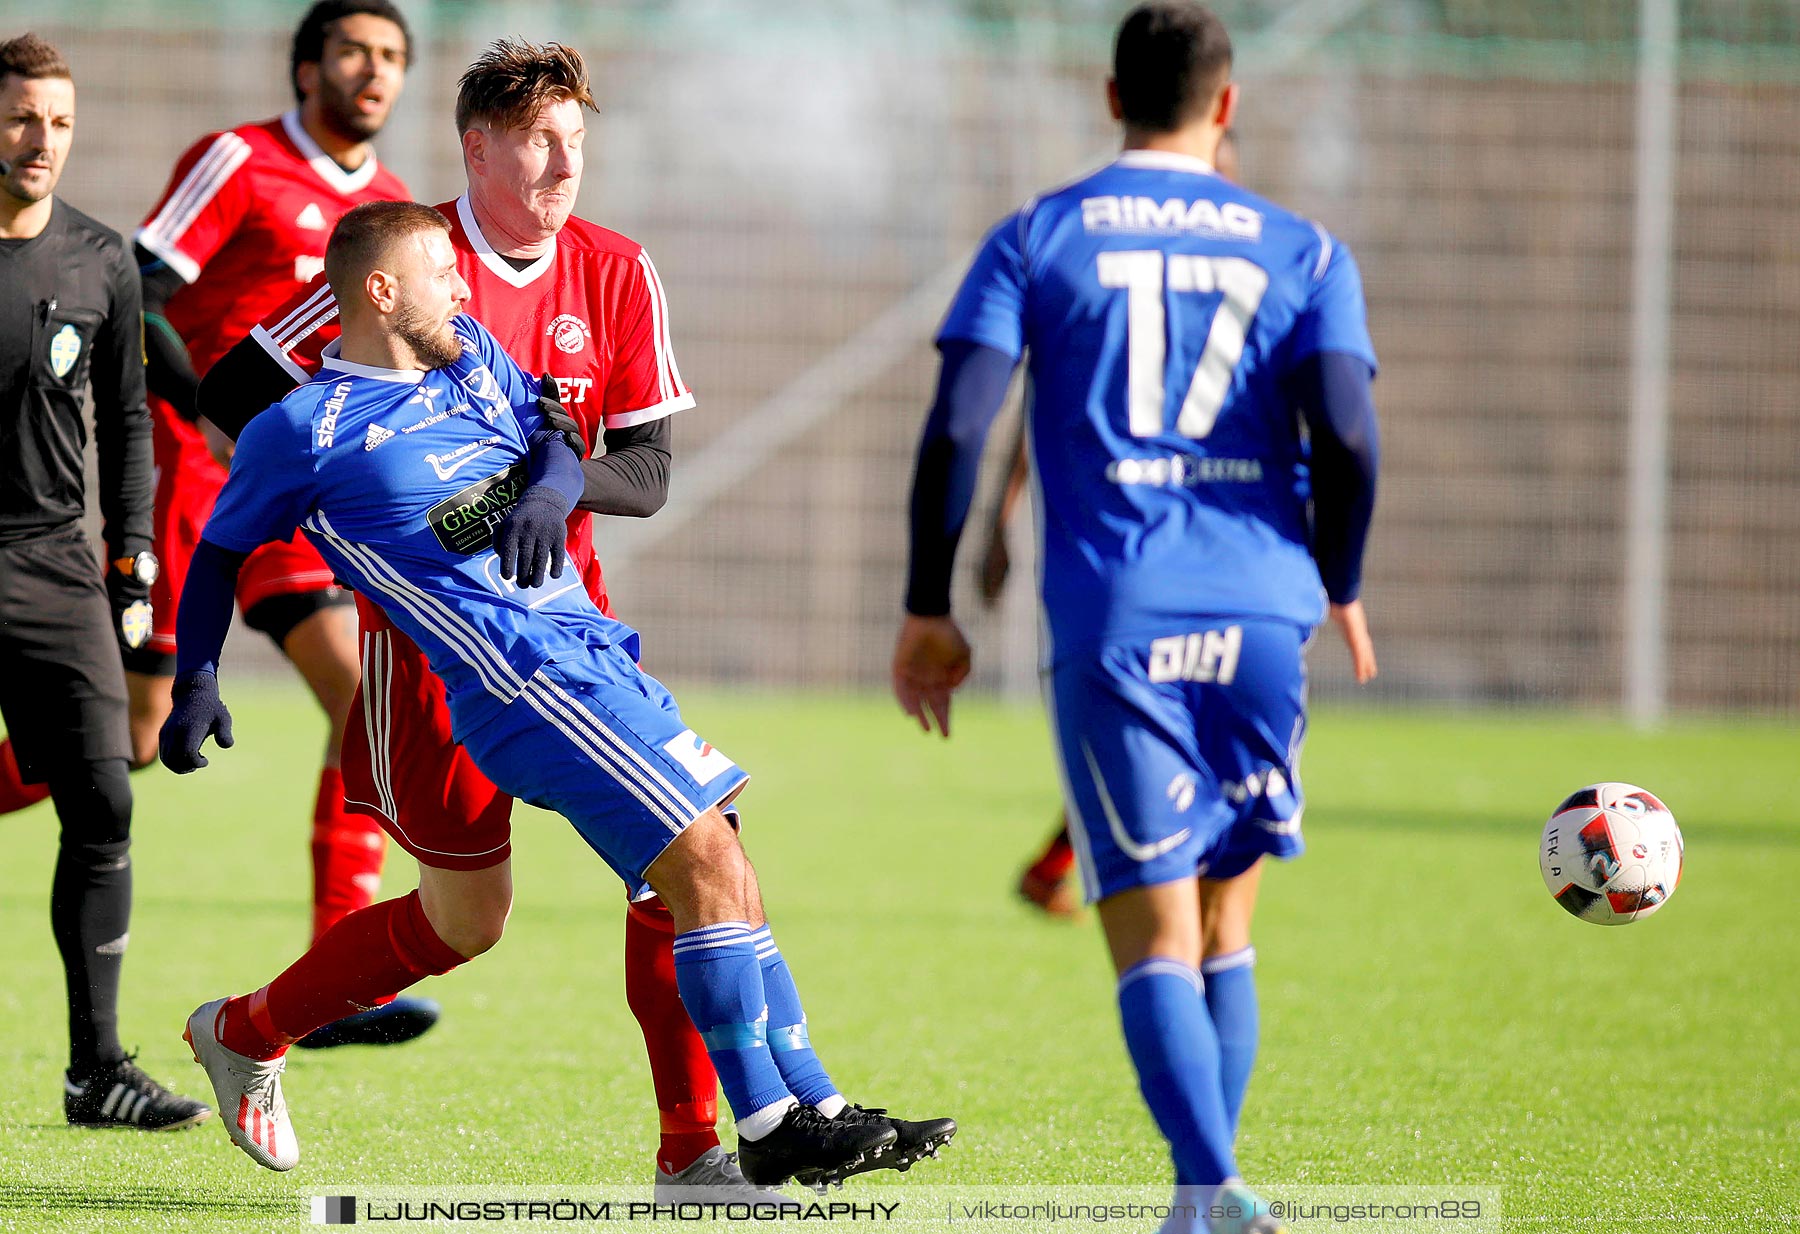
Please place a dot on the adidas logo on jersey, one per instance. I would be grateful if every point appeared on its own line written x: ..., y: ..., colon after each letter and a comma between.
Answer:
x: 376, y: 435
x: 312, y: 218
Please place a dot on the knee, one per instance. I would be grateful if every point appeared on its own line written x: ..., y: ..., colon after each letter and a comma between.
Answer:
x: 474, y: 926
x: 93, y: 802
x: 704, y: 876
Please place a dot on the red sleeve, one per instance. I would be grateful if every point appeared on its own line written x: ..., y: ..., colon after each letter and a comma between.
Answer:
x: 201, y: 207
x: 295, y: 335
x: 644, y: 384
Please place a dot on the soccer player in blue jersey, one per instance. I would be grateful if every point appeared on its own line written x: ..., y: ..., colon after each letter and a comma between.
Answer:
x: 421, y: 464
x: 1203, y: 439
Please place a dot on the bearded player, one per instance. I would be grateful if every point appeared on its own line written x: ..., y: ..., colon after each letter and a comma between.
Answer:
x: 241, y: 225
x: 583, y: 305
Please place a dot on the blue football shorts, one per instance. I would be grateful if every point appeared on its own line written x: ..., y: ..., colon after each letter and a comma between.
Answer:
x: 602, y: 743
x: 1180, y: 755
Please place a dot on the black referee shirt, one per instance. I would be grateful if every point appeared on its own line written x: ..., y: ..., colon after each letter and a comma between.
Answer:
x: 71, y: 313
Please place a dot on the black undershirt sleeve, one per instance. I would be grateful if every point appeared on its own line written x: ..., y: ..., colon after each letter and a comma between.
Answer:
x: 971, y: 387
x: 1331, y: 390
x: 632, y: 479
x: 169, y: 368
x: 241, y: 383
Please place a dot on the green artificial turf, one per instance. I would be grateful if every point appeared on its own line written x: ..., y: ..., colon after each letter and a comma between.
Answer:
x: 1431, y: 1018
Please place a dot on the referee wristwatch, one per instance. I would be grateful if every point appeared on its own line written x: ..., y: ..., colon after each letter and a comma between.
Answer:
x: 140, y: 568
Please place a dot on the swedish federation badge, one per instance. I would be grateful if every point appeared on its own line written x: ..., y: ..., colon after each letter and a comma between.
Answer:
x: 65, y: 349
x: 135, y: 624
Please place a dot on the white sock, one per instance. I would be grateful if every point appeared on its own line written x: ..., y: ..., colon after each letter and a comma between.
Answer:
x: 765, y: 1120
x: 832, y: 1106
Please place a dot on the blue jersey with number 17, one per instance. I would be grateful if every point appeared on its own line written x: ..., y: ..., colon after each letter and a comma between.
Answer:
x: 1164, y: 309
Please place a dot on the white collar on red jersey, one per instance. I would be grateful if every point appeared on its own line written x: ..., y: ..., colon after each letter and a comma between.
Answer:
x: 1164, y: 160
x: 322, y: 163
x: 329, y: 358
x: 501, y: 268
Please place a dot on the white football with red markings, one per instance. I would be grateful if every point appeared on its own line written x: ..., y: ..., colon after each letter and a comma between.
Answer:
x: 1611, y: 854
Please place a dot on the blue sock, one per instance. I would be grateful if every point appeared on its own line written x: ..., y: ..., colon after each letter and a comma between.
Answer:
x: 1231, y: 1001
x: 721, y: 987
x: 788, y: 1042
x: 1176, y: 1054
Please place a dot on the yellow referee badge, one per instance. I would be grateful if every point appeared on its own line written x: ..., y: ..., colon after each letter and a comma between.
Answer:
x: 65, y: 349
x: 134, y: 624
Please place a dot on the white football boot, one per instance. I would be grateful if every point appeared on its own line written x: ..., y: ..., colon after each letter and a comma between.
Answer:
x: 249, y: 1092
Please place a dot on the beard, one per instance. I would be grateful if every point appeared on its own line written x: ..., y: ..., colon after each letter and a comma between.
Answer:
x: 11, y: 183
x: 434, y: 347
x: 337, y: 111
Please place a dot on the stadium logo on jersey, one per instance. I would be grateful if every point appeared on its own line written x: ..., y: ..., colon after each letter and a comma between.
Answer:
x: 1232, y: 220
x: 447, y: 465
x: 569, y: 333
x: 65, y: 349
x: 699, y: 759
x: 465, y: 522
x: 376, y: 436
x: 334, y: 407
x: 311, y: 219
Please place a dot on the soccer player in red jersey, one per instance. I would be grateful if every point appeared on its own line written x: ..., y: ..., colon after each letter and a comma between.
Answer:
x: 585, y: 306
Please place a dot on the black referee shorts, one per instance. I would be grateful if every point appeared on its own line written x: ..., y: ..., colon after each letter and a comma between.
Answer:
x: 62, y: 688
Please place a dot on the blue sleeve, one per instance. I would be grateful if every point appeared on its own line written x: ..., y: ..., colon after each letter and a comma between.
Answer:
x: 1335, y: 317
x: 271, y: 486
x: 204, y: 614
x: 554, y: 466
x: 989, y: 308
x: 971, y: 388
x: 517, y: 387
x: 1331, y: 390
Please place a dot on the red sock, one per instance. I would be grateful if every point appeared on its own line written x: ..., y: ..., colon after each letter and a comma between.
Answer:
x: 1058, y: 859
x: 367, y: 958
x: 687, y: 1087
x: 15, y: 794
x: 347, y: 852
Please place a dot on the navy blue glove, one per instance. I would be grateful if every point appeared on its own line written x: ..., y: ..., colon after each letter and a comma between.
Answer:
x: 550, y: 407
x: 533, y: 539
x: 198, y: 713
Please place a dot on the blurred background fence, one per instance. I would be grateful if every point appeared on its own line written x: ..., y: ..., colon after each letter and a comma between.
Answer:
x: 810, y: 177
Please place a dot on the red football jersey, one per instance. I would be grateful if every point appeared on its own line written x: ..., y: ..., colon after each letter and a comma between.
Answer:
x: 590, y: 311
x: 244, y: 220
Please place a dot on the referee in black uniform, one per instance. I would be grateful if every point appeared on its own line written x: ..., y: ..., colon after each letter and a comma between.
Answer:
x: 70, y: 316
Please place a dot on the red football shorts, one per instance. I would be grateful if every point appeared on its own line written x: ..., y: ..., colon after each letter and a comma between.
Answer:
x: 188, y: 480
x: 402, y: 767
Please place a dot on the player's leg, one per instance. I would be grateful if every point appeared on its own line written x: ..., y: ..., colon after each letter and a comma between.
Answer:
x: 316, y: 630
x: 1228, y: 968
x: 1139, y: 822
x: 15, y: 794
x: 1045, y: 881
x: 681, y: 1073
x: 63, y: 698
x: 286, y: 592
x: 367, y: 957
x: 601, y: 743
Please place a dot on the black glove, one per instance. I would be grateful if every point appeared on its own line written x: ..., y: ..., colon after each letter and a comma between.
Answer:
x: 198, y: 713
x: 551, y: 408
x: 533, y: 537
x: 128, y: 590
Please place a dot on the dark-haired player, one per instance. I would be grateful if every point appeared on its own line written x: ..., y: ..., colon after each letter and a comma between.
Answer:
x: 1203, y: 438
x: 466, y: 556
x: 69, y: 322
x: 584, y: 305
x: 241, y: 226
x: 1045, y: 882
